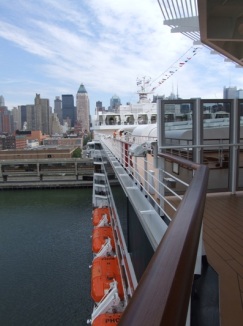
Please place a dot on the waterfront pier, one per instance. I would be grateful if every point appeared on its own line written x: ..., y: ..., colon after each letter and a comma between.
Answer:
x: 46, y: 173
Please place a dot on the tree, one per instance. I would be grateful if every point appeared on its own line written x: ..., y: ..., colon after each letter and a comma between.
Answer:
x: 77, y: 153
x: 87, y: 138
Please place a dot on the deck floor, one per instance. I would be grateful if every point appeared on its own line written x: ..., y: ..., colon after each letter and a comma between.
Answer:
x: 223, y: 241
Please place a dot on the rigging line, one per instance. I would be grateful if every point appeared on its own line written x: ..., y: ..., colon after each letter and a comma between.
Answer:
x: 172, y: 65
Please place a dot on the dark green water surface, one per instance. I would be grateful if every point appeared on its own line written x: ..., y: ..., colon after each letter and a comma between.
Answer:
x: 45, y: 253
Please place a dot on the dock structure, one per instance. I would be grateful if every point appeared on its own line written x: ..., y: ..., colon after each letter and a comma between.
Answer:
x: 46, y: 173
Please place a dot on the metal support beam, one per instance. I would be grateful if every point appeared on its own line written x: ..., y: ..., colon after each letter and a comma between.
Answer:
x: 234, y: 151
x: 197, y: 131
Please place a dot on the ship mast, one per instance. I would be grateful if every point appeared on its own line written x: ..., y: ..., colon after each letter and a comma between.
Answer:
x: 144, y: 84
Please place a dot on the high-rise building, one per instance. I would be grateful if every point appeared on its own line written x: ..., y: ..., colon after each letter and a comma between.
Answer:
x: 6, y: 120
x: 7, y: 142
x: 16, y: 118
x: 29, y: 123
x: 56, y: 127
x: 115, y: 102
x: 83, y: 111
x: 230, y: 92
x: 99, y: 106
x: 23, y: 116
x: 68, y: 109
x: 42, y: 113
x: 2, y: 102
x: 240, y: 93
x: 58, y: 108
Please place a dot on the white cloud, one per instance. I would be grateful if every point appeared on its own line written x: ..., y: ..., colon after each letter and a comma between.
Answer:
x: 106, y: 45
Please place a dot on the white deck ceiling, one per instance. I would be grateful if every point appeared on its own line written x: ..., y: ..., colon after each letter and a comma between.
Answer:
x: 218, y: 24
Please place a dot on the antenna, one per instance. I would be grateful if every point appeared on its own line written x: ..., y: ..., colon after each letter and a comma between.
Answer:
x: 144, y: 84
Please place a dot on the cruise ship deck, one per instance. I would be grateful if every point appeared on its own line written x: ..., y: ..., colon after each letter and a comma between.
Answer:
x: 223, y: 212
x: 223, y: 239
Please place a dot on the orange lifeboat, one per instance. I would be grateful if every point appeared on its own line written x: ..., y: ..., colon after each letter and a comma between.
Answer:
x: 104, y: 271
x: 99, y: 237
x: 98, y: 213
x: 107, y: 319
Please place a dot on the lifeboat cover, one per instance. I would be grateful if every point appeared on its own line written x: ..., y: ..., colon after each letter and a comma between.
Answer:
x: 107, y: 319
x: 98, y: 214
x: 104, y: 271
x: 99, y: 237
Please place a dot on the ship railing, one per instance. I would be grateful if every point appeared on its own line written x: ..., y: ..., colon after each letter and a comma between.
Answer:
x: 184, y: 147
x: 144, y: 171
x: 163, y: 294
x: 130, y: 138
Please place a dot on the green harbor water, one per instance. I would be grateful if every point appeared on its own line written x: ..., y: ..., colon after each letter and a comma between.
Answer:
x: 45, y: 253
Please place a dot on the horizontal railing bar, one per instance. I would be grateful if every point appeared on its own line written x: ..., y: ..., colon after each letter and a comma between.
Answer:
x: 181, y: 161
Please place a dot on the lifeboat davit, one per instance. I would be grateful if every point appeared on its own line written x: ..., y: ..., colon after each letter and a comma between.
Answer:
x: 99, y: 237
x: 104, y: 271
x: 98, y: 214
x: 107, y: 319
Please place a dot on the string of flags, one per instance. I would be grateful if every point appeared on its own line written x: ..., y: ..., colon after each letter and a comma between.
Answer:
x: 143, y: 81
x: 185, y: 58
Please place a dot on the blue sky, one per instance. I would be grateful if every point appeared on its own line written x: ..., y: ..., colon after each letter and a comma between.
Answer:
x: 50, y: 47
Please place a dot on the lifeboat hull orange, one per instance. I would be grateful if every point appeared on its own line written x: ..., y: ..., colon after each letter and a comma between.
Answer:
x: 99, y: 237
x: 107, y: 319
x: 104, y: 271
x: 98, y: 214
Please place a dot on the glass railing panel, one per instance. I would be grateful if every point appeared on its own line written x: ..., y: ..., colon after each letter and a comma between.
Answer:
x: 216, y: 139
x: 240, y: 157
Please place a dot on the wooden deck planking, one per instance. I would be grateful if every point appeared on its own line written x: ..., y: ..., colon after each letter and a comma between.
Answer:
x: 223, y: 240
x: 230, y: 245
x: 234, y: 235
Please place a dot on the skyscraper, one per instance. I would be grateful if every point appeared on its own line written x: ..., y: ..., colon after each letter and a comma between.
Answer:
x: 16, y: 118
x: 56, y: 127
x: 30, y: 118
x: 68, y: 109
x: 240, y: 93
x: 230, y: 92
x: 6, y: 120
x: 115, y: 102
x: 42, y: 113
x: 23, y: 116
x: 58, y: 108
x: 82, y: 103
x: 2, y: 102
x: 99, y: 106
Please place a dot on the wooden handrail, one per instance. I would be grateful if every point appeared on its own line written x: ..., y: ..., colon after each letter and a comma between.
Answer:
x: 181, y: 161
x: 163, y: 293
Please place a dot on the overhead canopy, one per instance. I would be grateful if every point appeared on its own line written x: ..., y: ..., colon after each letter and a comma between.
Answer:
x: 221, y: 27
x: 217, y: 24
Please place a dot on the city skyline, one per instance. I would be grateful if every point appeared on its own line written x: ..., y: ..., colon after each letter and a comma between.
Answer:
x: 106, y: 46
